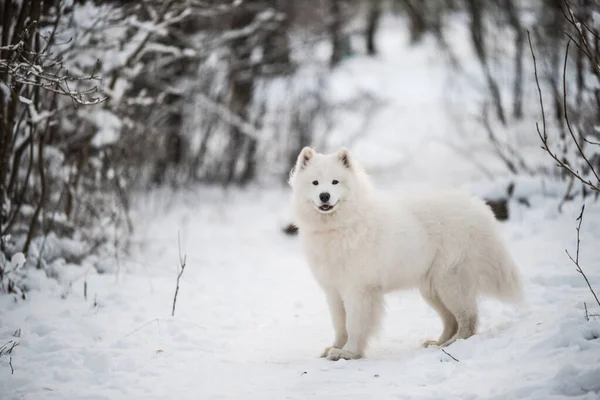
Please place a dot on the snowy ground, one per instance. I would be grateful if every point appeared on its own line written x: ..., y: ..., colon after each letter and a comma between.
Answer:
x: 251, y: 322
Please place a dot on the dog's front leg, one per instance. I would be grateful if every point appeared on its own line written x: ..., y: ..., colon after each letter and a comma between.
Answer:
x: 338, y: 318
x: 363, y: 307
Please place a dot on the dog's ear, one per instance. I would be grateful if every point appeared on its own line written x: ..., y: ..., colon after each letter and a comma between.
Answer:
x: 344, y: 156
x: 304, y: 157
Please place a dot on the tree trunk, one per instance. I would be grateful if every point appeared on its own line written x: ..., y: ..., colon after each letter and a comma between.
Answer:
x: 372, y: 25
x: 241, y: 81
x: 335, y: 31
x: 417, y: 22
x: 514, y: 19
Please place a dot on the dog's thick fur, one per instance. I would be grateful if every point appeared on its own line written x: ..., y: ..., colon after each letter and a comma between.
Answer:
x: 362, y: 243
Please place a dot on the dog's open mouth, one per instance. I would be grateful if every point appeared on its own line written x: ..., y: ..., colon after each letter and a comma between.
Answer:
x: 326, y: 208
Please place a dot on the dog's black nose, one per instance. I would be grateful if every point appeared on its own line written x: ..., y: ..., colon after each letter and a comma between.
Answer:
x: 324, y: 197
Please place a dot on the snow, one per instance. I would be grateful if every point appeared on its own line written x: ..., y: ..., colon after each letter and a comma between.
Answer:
x: 25, y: 100
x: 250, y: 320
x: 17, y: 260
x: 108, y: 124
x: 5, y: 90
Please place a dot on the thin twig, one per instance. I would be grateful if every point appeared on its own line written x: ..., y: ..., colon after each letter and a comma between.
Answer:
x: 544, y: 136
x: 142, y: 327
x: 577, y: 23
x: 567, y: 195
x: 8, y: 347
x: 450, y: 355
x: 12, y: 370
x: 567, y: 117
x: 537, y: 81
x: 229, y: 117
x: 576, y: 260
x: 182, y: 266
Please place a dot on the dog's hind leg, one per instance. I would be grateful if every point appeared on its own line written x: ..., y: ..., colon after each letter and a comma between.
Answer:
x: 448, y: 320
x: 338, y: 318
x: 459, y: 296
x: 364, y: 308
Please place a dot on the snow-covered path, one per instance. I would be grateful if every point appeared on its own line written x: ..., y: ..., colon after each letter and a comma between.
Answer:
x: 250, y: 322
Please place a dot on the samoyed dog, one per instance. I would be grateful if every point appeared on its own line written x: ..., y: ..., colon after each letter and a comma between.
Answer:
x: 362, y: 243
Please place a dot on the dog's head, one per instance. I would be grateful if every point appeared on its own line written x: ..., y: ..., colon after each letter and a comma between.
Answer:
x: 325, y: 184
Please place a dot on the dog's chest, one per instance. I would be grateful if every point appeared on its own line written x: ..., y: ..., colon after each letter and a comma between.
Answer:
x: 336, y: 252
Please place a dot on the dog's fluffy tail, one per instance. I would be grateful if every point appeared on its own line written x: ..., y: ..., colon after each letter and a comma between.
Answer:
x: 502, y: 278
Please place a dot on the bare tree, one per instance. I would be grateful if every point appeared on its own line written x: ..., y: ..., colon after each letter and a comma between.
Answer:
x: 584, y: 166
x: 32, y: 81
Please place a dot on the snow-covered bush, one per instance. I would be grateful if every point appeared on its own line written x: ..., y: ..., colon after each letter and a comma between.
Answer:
x: 37, y: 153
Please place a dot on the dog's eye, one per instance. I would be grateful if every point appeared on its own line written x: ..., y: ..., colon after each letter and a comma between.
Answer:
x: 315, y: 183
x: 334, y: 182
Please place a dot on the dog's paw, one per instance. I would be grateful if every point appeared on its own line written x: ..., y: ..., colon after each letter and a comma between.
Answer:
x: 429, y: 343
x: 335, y: 354
x: 326, y: 351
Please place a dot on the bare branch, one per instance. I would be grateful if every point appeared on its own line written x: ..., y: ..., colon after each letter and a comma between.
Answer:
x: 450, y: 355
x: 576, y: 260
x: 49, y: 80
x: 133, y: 56
x: 181, y: 269
x: 537, y: 81
x: 544, y: 136
x: 141, y: 327
x: 229, y: 117
x: 567, y: 195
x: 8, y: 347
x: 577, y: 24
x: 579, y: 149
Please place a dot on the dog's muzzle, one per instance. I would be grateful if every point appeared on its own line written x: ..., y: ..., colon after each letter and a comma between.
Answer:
x: 325, y: 207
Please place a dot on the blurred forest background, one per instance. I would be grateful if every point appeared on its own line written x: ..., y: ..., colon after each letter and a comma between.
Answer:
x: 100, y: 100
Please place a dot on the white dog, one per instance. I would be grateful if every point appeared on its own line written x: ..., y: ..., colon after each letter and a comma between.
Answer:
x: 361, y: 243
